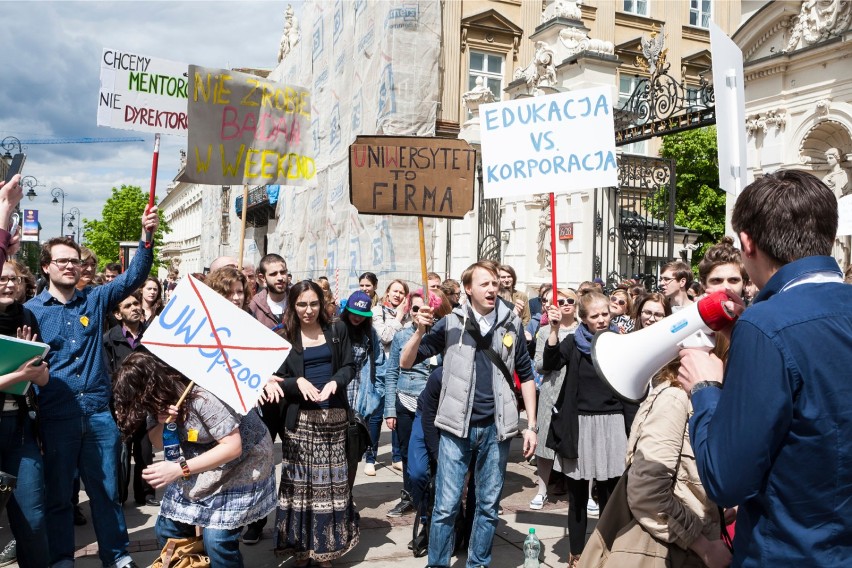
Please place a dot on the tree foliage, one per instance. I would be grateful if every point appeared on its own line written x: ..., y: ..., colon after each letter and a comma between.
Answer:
x: 699, y: 202
x: 121, y: 220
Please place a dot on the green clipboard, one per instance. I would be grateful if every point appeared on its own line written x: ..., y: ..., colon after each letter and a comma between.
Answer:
x: 15, y: 352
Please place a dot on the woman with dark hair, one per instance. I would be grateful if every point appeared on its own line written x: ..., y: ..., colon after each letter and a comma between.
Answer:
x: 508, y: 280
x: 225, y: 479
x: 152, y: 299
x: 368, y: 282
x: 589, y: 429
x: 230, y: 283
x: 650, y: 309
x: 19, y: 449
x: 316, y: 517
x: 367, y: 354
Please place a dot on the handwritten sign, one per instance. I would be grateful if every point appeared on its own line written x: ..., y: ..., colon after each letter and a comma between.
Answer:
x: 216, y: 344
x: 545, y: 144
x: 142, y: 93
x: 397, y: 175
x: 566, y: 231
x: 247, y: 130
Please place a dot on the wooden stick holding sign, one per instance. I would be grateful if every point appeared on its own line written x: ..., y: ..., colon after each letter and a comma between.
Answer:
x: 410, y: 175
x: 149, y: 236
x: 182, y: 398
x: 423, y: 272
x: 243, y: 227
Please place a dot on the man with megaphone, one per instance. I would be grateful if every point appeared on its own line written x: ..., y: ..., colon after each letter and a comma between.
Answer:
x: 775, y: 440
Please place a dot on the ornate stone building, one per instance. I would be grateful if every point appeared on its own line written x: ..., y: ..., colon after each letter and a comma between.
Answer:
x: 799, y: 90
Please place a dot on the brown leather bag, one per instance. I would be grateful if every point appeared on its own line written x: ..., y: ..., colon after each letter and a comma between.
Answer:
x: 183, y: 553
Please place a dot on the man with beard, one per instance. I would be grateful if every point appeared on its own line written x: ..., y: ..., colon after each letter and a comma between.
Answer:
x: 267, y: 306
x: 119, y: 342
x: 76, y: 423
x: 481, y: 344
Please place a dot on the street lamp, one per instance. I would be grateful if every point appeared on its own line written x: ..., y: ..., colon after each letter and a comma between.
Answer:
x: 8, y: 144
x: 58, y: 192
x: 30, y: 182
x: 74, y: 218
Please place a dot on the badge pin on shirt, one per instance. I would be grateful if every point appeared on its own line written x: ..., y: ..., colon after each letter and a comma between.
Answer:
x: 85, y: 321
x: 192, y: 435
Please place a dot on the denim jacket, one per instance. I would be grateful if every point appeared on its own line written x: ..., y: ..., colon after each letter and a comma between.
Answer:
x: 409, y: 381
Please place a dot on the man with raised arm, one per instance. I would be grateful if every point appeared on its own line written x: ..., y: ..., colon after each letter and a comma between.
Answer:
x: 77, y: 426
x: 482, y: 343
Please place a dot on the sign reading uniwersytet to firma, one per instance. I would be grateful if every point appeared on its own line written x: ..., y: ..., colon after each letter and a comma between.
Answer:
x: 142, y: 93
x: 553, y: 143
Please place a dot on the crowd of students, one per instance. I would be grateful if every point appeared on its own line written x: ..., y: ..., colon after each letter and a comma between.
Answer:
x: 447, y: 370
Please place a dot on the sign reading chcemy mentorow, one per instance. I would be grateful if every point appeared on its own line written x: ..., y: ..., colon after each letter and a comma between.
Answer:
x: 246, y: 130
x: 399, y: 175
x: 548, y: 144
x: 142, y: 93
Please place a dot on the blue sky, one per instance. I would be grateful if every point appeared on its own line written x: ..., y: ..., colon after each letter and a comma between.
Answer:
x: 51, y: 75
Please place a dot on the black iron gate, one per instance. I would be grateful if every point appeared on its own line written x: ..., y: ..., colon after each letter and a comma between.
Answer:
x: 488, y: 224
x: 634, y: 222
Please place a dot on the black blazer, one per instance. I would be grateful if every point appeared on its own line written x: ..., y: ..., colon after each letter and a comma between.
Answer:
x: 342, y: 362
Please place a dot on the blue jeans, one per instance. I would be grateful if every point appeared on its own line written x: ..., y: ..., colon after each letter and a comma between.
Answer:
x: 454, y: 456
x: 418, y: 465
x: 21, y: 457
x: 90, y: 445
x: 374, y: 424
x: 221, y: 545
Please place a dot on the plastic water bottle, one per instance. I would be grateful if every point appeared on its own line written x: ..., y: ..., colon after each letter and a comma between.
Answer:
x: 532, y: 549
x: 171, y: 442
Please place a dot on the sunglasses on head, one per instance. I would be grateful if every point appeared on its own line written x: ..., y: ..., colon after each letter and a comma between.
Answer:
x: 617, y: 300
x: 566, y: 301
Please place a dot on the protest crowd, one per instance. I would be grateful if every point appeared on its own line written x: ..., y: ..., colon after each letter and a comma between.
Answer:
x: 737, y: 454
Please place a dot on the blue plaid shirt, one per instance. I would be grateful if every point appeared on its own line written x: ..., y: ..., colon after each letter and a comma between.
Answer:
x: 79, y: 384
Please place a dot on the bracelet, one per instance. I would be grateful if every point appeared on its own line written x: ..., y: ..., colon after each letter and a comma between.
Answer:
x: 703, y: 385
x: 185, y: 468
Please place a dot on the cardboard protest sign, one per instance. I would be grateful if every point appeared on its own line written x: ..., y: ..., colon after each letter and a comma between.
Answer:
x: 142, y: 93
x: 217, y: 345
x: 247, y: 130
x: 553, y: 143
x: 398, y: 175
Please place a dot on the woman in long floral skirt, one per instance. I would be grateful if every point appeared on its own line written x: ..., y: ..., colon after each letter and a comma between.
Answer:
x: 316, y: 519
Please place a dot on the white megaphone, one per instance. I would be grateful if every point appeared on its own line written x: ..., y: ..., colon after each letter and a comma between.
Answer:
x: 628, y: 362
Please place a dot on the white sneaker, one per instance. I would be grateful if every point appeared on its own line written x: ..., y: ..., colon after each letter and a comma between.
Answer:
x: 592, y: 508
x: 538, y: 502
x: 370, y: 469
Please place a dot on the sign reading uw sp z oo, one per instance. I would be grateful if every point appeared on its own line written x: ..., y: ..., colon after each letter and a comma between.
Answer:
x: 548, y: 144
x: 401, y: 175
x: 247, y: 130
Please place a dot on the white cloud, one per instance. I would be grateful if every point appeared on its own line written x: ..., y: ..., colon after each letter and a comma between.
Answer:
x: 50, y: 80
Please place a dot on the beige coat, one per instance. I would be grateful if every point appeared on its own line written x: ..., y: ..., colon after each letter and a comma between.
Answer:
x: 679, y: 512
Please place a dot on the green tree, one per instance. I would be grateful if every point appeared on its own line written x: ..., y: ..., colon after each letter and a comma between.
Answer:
x: 699, y: 202
x: 121, y: 220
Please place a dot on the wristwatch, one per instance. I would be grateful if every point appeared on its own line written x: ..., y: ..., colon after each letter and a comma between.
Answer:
x: 533, y: 429
x: 703, y: 385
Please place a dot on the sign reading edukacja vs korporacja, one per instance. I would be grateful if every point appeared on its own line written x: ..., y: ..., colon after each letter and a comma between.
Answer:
x: 142, y: 93
x: 246, y: 130
x: 399, y: 175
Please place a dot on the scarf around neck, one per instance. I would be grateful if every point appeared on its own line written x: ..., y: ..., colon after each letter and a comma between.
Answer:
x: 583, y: 337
